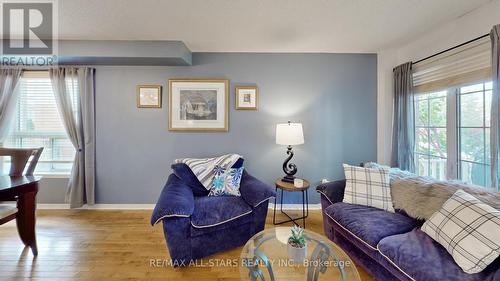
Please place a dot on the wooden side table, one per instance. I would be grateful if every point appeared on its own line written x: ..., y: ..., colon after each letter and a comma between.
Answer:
x: 289, y: 187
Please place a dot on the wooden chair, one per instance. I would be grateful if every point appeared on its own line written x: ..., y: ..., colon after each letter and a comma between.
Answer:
x: 19, y: 159
x: 7, y: 213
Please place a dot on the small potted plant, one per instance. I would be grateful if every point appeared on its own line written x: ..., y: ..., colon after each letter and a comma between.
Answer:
x: 297, y: 248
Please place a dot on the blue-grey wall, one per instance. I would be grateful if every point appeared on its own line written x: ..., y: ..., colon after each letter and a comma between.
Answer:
x: 333, y: 95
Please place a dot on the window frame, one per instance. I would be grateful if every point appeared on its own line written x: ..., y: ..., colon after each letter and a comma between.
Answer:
x: 459, y: 126
x: 453, y: 127
x: 428, y: 127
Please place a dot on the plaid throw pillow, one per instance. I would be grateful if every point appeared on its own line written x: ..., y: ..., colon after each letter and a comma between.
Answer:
x: 368, y: 187
x: 468, y: 229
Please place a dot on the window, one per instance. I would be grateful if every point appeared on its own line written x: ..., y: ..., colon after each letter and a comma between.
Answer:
x: 38, y: 124
x: 474, y: 133
x: 430, y: 135
x: 452, y: 113
x: 452, y: 133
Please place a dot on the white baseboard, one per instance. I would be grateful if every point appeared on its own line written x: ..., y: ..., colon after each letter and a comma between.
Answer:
x: 99, y: 206
x: 149, y: 206
x: 119, y: 207
x: 52, y: 206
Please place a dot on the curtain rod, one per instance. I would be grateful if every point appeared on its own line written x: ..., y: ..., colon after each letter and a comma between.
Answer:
x: 437, y: 54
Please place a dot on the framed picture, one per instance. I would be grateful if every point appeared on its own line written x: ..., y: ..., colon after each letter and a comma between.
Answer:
x: 198, y: 105
x: 149, y: 96
x: 247, y: 98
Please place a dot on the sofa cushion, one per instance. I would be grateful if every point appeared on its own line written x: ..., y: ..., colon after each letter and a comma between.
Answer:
x: 203, y: 168
x: 468, y: 229
x: 187, y: 176
x: 369, y: 224
x: 421, y: 258
x: 368, y: 187
x: 182, y: 171
x: 239, y: 163
x: 213, y: 211
x: 176, y: 200
x: 226, y: 182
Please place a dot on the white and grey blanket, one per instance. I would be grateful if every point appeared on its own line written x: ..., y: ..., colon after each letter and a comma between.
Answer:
x: 203, y: 168
x: 420, y: 197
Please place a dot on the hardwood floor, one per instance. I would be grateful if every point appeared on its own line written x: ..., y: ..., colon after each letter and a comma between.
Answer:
x: 106, y: 245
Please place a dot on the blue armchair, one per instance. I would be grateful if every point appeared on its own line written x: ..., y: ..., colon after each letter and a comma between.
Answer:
x: 196, y: 225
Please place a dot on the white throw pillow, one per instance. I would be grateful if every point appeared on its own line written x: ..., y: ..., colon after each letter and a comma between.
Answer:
x: 368, y: 187
x: 468, y: 229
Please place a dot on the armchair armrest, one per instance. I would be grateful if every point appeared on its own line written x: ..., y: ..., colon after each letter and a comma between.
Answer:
x: 176, y: 200
x: 253, y: 191
x: 333, y: 191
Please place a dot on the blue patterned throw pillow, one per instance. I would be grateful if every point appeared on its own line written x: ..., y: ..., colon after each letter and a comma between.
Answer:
x: 226, y: 182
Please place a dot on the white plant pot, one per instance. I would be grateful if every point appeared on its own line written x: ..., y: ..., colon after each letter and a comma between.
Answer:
x: 297, y: 255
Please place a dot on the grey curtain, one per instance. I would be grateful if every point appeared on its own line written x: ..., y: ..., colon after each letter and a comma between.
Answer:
x: 495, y: 104
x: 9, y: 79
x: 74, y: 89
x: 403, y: 140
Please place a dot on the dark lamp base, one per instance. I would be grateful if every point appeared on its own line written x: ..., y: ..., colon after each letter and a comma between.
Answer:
x: 288, y: 178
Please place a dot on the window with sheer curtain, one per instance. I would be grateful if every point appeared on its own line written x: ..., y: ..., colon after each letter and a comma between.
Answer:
x: 37, y: 123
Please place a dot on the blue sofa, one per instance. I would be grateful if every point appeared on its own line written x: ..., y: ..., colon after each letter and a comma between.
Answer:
x: 390, y: 246
x: 196, y: 225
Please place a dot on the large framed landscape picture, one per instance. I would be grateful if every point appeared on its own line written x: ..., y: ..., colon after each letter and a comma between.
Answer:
x: 198, y: 105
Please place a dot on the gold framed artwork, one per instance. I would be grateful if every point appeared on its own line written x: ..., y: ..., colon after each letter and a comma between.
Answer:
x: 247, y: 97
x: 198, y: 105
x: 149, y: 96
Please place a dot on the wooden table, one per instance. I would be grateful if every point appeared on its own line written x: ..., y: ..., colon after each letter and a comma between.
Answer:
x: 23, y: 190
x: 289, y: 186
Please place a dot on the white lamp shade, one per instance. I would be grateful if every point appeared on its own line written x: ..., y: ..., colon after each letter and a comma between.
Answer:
x: 289, y: 134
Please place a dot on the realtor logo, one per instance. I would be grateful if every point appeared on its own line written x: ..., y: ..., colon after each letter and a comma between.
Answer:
x: 27, y: 28
x: 28, y: 32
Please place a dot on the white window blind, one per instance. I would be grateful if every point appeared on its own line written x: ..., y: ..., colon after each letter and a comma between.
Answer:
x: 469, y: 63
x: 38, y: 124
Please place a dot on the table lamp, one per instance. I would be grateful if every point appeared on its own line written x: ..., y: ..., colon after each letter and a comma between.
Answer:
x: 289, y: 134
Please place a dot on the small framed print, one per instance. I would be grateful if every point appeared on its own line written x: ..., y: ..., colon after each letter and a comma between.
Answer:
x: 149, y: 96
x: 247, y: 98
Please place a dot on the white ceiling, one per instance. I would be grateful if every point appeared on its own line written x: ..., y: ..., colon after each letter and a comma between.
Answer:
x: 336, y: 26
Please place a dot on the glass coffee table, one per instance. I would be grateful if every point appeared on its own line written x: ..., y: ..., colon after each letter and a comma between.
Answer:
x: 265, y: 257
